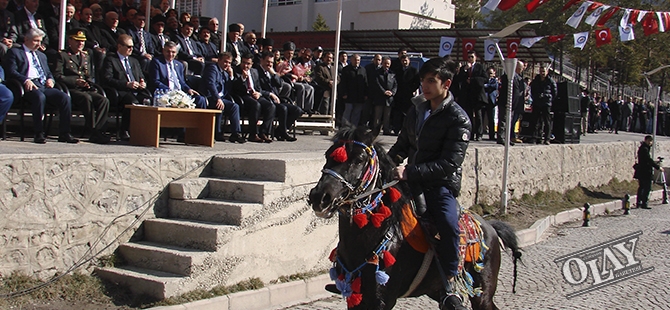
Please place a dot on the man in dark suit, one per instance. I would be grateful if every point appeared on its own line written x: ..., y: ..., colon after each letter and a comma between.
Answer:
x: 74, y: 69
x: 166, y: 73
x: 28, y: 18
x: 189, y: 50
x: 143, y: 49
x: 159, y: 37
x: 6, y: 97
x: 408, y: 82
x: 209, y: 50
x: 278, y: 92
x: 110, y: 31
x: 247, y: 86
x: 472, y: 97
x: 354, y: 90
x: 213, y: 27
x: 518, y: 88
x: 324, y: 78
x: 7, y: 28
x: 29, y: 66
x: 371, y: 70
x: 234, y: 33
x: 384, y: 88
x: 216, y: 84
x: 93, y: 38
x: 123, y: 73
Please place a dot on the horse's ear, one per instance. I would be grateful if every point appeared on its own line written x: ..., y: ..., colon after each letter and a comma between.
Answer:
x: 368, y: 135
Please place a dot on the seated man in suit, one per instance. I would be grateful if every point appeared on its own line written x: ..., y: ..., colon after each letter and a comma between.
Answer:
x: 189, y: 50
x: 74, y: 68
x: 159, y: 37
x: 216, y: 84
x: 28, y: 18
x: 273, y: 88
x: 143, y: 50
x: 247, y: 86
x: 209, y: 50
x: 166, y: 73
x: 6, y: 97
x: 7, y: 28
x: 123, y: 73
x: 29, y: 66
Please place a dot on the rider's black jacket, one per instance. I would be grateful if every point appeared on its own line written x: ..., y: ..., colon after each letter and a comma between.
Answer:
x: 435, y: 147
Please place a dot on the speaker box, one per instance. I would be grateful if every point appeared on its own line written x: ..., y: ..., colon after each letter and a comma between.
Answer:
x: 567, y: 98
x: 566, y: 128
x: 527, y: 125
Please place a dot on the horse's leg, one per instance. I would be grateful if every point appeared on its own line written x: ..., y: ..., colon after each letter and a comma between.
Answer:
x: 488, y: 277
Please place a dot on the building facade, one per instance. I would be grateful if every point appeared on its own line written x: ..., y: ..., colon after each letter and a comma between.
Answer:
x: 299, y: 15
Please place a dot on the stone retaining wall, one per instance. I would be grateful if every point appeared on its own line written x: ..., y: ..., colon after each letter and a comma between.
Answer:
x: 55, y: 207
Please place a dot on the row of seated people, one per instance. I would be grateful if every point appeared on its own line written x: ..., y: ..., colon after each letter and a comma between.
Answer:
x: 258, y: 92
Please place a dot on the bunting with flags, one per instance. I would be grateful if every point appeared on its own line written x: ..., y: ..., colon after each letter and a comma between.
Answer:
x: 512, y: 47
x: 489, y: 50
x: 580, y: 39
x: 603, y: 36
x: 468, y: 45
x: 650, y: 25
x: 595, y: 16
x: 626, y: 33
x: 577, y: 16
x: 529, y: 42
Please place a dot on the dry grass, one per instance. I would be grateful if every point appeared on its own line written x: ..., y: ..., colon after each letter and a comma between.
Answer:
x: 523, y: 212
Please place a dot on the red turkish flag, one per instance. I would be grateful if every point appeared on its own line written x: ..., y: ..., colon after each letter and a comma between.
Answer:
x: 512, y: 47
x: 556, y: 38
x: 603, y: 19
x: 650, y: 24
x: 666, y: 20
x: 569, y: 4
x: 633, y: 17
x: 468, y: 45
x: 533, y: 5
x: 507, y: 4
x: 594, y: 6
x: 603, y: 36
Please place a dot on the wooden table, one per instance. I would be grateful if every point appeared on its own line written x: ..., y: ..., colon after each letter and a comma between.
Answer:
x: 146, y: 121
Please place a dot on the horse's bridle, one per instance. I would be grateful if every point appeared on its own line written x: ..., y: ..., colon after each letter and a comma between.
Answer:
x: 367, y: 179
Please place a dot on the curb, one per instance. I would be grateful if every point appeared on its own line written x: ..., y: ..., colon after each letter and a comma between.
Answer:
x: 284, y: 295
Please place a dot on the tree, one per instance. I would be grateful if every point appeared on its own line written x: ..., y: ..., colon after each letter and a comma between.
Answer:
x: 468, y: 13
x: 320, y: 24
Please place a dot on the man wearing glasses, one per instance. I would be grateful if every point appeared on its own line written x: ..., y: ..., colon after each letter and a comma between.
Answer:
x: 123, y: 73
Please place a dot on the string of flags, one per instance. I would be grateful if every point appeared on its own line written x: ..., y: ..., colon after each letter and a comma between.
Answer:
x: 652, y: 22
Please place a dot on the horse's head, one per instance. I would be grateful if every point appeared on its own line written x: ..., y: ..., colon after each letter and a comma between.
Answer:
x: 352, y: 166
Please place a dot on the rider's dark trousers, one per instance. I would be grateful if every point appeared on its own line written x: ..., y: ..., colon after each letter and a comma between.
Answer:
x: 444, y: 210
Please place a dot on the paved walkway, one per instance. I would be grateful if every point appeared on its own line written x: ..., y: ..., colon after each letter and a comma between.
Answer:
x: 540, y: 283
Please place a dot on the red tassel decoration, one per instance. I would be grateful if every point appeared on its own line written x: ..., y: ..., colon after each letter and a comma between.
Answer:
x: 356, y: 285
x: 354, y: 300
x: 361, y: 220
x: 377, y: 219
x: 389, y: 260
x: 394, y: 194
x: 333, y: 255
x: 341, y: 277
x: 339, y: 154
x: 385, y: 210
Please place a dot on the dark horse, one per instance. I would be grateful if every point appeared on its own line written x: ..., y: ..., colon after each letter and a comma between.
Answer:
x: 356, y: 182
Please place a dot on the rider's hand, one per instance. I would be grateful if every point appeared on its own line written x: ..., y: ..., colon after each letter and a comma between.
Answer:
x: 399, y: 173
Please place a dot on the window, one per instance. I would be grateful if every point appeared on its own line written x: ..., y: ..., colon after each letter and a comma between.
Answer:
x: 284, y: 2
x: 192, y: 7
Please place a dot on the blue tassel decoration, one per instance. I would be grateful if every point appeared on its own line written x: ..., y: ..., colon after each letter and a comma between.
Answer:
x: 333, y: 273
x: 381, y: 277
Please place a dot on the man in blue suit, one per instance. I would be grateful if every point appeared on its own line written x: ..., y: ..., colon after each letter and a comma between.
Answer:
x: 216, y: 84
x: 143, y: 49
x: 29, y: 66
x: 166, y: 73
x: 6, y: 97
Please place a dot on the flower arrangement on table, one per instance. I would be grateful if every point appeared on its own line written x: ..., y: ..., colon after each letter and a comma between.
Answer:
x: 176, y: 99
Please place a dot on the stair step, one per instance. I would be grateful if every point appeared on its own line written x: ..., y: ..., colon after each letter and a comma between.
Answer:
x: 212, y: 210
x: 290, y: 168
x: 186, y: 233
x: 240, y: 190
x: 189, y: 188
x: 158, y: 257
x: 140, y: 281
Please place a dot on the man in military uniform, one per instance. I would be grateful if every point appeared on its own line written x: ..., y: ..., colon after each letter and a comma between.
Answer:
x: 74, y: 69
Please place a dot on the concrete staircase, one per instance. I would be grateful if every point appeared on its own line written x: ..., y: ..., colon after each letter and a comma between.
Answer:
x: 183, y: 252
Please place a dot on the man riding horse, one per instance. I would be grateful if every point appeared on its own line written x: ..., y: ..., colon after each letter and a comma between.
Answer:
x: 435, y: 138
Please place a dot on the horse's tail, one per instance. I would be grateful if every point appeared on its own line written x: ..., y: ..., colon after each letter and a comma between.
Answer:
x: 510, y: 241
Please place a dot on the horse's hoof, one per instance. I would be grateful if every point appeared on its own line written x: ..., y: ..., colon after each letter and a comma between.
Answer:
x: 452, y: 302
x: 333, y: 289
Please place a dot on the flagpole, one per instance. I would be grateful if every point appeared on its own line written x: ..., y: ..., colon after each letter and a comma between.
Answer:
x: 224, y: 26
x: 337, y: 60
x: 264, y: 24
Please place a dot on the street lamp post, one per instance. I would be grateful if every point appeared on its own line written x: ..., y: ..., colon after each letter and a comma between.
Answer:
x: 509, y: 66
x: 656, y: 106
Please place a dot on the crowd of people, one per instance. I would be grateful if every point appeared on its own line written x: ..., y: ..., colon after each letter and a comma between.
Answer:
x: 107, y: 45
x: 611, y: 115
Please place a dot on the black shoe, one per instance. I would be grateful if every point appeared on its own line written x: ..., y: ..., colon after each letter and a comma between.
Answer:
x: 452, y: 302
x: 265, y: 138
x: 40, y: 139
x: 236, y: 138
x: 645, y: 207
x: 219, y: 138
x: 333, y: 289
x: 67, y: 138
x: 286, y: 137
x: 125, y: 136
x: 99, y: 138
